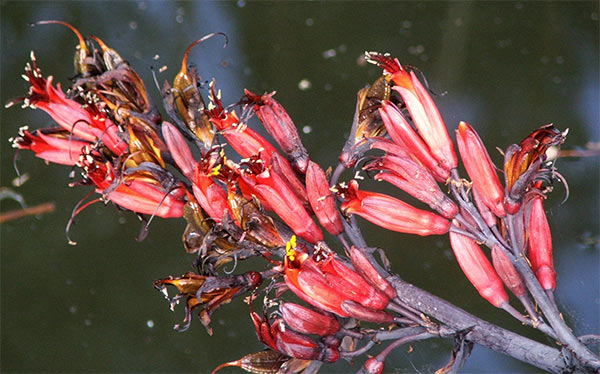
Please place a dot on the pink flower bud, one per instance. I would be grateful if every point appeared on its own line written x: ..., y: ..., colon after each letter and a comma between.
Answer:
x: 478, y: 269
x: 373, y: 366
x: 480, y: 168
x: 322, y: 200
x: 392, y: 214
x: 540, y: 246
x: 179, y: 149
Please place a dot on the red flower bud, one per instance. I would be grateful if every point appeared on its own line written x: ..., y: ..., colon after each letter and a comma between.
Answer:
x: 403, y: 134
x: 480, y: 168
x: 322, y: 200
x: 308, y: 321
x: 507, y: 272
x: 478, y: 269
x: 355, y: 310
x: 281, y: 127
x: 392, y: 214
x: 373, y: 366
x: 427, y: 119
x: 540, y: 246
x: 369, y: 273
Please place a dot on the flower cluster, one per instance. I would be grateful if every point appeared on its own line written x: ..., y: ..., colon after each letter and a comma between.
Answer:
x: 244, y: 196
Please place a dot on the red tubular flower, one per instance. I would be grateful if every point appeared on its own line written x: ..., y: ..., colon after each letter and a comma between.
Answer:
x: 281, y: 127
x: 321, y: 199
x: 391, y: 213
x: 540, y: 245
x: 423, y: 110
x: 245, y: 141
x: 410, y: 176
x: 53, y: 145
x: 480, y: 168
x: 507, y: 272
x: 179, y: 149
x: 478, y: 269
x: 85, y: 123
x: 211, y: 196
x: 277, y: 194
x: 403, y: 134
x: 282, y: 167
x: 327, y: 284
x: 141, y: 195
x: 308, y: 321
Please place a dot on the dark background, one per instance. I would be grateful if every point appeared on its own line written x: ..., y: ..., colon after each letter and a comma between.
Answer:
x: 506, y: 68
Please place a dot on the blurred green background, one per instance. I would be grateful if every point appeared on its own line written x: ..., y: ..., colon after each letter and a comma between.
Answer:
x: 505, y: 67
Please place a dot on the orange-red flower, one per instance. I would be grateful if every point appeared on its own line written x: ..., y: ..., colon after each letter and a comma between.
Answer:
x: 85, y: 122
x: 328, y: 283
x: 53, y: 145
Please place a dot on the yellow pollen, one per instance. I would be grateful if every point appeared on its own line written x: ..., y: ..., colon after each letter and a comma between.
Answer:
x: 289, y: 248
x: 215, y: 170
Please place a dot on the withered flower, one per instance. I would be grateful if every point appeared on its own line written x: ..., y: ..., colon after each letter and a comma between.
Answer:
x: 524, y: 162
x: 207, y: 293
